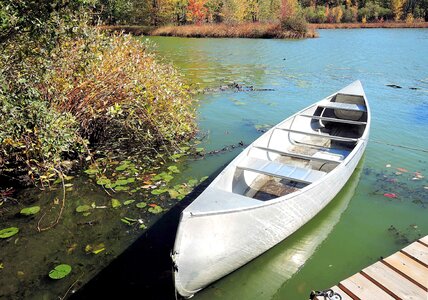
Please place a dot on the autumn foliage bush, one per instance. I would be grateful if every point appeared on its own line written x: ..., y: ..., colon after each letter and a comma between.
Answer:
x: 70, y: 87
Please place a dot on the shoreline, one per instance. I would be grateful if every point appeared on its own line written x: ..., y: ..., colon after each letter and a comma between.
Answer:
x: 368, y: 25
x: 248, y: 30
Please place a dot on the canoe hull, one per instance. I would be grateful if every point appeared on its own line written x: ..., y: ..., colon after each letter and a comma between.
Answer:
x: 211, y: 244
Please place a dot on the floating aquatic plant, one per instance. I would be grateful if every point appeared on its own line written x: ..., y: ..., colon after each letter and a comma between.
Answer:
x: 60, y: 271
x: 28, y: 211
x: 8, y: 232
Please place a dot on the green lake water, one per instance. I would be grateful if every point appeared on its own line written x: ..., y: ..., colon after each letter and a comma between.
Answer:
x: 356, y: 229
x: 361, y: 224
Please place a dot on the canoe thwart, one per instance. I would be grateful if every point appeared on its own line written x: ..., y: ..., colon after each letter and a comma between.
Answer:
x: 280, y: 170
x: 337, y: 120
x: 317, y: 156
x: 331, y: 137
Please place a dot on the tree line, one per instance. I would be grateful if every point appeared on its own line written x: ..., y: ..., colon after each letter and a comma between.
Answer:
x: 180, y: 12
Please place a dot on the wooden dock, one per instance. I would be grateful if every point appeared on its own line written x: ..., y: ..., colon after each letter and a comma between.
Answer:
x: 403, y: 275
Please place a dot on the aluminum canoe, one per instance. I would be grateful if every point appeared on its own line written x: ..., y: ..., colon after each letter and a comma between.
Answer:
x: 276, y: 185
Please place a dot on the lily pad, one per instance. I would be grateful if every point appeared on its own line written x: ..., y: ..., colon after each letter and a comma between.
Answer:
x: 122, y: 167
x: 8, y: 232
x: 83, y: 208
x: 91, y: 171
x: 155, y: 209
x: 115, y: 203
x: 121, y: 188
x: 174, y: 169
x: 141, y: 204
x: 60, y: 271
x: 30, y: 210
x: 103, y: 181
x: 173, y: 194
x: 127, y: 202
x: 192, y: 182
x: 121, y: 182
x: 159, y: 191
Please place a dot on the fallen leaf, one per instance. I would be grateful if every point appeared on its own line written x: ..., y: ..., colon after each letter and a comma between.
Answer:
x: 390, y: 195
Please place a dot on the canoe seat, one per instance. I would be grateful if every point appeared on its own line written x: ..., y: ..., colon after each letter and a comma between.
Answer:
x: 277, y: 169
x: 343, y: 106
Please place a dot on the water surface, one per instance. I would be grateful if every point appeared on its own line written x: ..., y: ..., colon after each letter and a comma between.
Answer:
x: 300, y: 73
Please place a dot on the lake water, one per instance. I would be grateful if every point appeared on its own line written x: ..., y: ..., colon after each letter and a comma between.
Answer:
x: 358, y: 227
x: 361, y: 224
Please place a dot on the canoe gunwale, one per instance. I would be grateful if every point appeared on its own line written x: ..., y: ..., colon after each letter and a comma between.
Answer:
x: 360, y: 144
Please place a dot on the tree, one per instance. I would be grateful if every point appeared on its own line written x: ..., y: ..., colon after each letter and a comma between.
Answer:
x: 196, y: 11
x: 288, y: 8
x: 397, y: 9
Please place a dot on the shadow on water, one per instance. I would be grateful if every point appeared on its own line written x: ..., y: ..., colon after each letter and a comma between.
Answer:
x: 144, y: 269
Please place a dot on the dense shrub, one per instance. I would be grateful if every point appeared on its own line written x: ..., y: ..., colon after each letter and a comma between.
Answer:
x: 66, y: 84
x: 296, y: 23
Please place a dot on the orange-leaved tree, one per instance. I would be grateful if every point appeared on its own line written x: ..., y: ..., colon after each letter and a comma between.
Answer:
x: 196, y: 11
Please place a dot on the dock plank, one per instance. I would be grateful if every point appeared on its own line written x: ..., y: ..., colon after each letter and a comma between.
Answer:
x: 364, y: 288
x: 411, y: 268
x: 417, y: 251
x: 424, y: 240
x: 402, y: 275
x: 394, y: 282
x: 344, y: 295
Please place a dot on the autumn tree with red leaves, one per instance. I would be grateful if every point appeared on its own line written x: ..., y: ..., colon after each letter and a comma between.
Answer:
x: 196, y: 11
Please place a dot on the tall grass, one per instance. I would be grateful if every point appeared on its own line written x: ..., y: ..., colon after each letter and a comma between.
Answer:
x: 244, y: 30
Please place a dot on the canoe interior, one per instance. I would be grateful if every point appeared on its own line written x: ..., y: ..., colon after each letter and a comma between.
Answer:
x: 305, y: 142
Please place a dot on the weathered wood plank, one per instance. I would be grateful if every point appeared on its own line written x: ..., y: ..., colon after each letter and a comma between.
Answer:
x: 364, y: 288
x: 394, y: 282
x: 424, y: 240
x: 417, y: 251
x: 411, y: 268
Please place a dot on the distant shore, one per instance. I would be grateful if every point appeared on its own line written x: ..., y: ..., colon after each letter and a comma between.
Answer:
x: 220, y: 30
x: 369, y: 25
x: 249, y: 30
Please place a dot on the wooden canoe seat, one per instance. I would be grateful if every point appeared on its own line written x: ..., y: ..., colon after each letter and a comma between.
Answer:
x: 277, y: 169
x: 343, y: 106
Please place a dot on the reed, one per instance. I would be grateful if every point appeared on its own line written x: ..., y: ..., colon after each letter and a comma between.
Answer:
x: 223, y: 30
